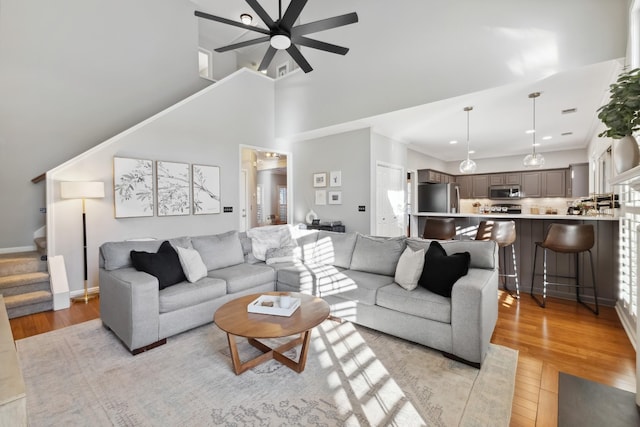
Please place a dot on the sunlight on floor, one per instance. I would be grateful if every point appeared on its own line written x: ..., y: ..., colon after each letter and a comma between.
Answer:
x: 360, y: 380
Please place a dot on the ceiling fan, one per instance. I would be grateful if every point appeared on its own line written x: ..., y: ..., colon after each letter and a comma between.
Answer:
x: 283, y: 35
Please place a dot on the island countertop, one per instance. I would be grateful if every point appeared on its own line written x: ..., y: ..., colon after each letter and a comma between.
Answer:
x: 519, y: 216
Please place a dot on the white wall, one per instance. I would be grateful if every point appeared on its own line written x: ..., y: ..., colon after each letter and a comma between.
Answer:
x: 207, y: 128
x: 500, y: 42
x: 348, y: 152
x: 417, y: 160
x: 74, y: 73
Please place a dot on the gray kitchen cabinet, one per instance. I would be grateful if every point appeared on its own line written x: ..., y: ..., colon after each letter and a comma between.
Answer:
x: 512, y: 178
x: 464, y: 182
x: 578, y: 180
x: 496, y: 179
x: 531, y: 184
x: 480, y: 186
x: 554, y: 183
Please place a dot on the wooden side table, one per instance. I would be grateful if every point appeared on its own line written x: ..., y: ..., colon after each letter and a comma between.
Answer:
x: 236, y: 321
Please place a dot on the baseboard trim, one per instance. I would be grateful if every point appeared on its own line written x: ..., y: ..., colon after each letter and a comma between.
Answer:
x: 627, y: 325
x: 17, y: 249
x: 80, y: 292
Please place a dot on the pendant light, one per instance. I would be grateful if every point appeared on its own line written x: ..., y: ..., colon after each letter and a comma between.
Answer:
x: 468, y: 166
x: 533, y: 160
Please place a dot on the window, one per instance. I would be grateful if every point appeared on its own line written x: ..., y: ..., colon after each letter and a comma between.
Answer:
x: 259, y: 204
x: 205, y: 67
x: 282, y: 203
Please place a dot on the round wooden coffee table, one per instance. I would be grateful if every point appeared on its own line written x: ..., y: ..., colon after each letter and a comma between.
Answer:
x: 236, y: 321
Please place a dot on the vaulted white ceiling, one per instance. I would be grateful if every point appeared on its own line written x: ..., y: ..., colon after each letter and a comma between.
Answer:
x: 396, y: 37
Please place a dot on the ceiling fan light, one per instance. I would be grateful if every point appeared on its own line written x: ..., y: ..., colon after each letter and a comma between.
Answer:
x: 467, y: 166
x: 246, y: 19
x: 280, y: 42
x: 533, y: 160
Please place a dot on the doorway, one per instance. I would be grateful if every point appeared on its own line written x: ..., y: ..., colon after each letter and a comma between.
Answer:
x: 391, y: 183
x: 265, y: 191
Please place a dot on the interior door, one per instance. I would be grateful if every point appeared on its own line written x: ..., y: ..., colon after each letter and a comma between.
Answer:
x: 390, y: 200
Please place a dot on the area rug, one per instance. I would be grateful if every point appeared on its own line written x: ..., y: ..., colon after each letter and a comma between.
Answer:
x: 354, y: 376
x: 584, y: 403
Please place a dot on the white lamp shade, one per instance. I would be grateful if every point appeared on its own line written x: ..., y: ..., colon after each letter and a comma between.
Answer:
x: 82, y: 189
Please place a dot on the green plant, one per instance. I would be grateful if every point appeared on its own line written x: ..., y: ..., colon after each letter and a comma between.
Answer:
x: 621, y: 115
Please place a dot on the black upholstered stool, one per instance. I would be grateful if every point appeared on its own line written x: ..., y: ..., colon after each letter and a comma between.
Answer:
x: 439, y: 229
x: 504, y: 234
x: 566, y: 239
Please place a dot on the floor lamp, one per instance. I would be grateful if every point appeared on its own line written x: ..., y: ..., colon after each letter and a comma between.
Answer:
x: 83, y: 190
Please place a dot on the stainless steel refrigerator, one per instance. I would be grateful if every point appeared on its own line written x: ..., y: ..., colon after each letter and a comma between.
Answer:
x: 439, y: 198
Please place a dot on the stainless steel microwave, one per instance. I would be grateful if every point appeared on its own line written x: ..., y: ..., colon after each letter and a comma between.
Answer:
x: 504, y: 192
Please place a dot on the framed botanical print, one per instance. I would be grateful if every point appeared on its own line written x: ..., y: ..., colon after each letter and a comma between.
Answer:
x: 133, y: 187
x: 173, y: 189
x: 206, y: 189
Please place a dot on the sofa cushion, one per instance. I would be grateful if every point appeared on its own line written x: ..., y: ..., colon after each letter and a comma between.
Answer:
x: 420, y: 302
x: 241, y: 277
x: 192, y: 264
x: 367, y: 286
x: 441, y: 271
x: 409, y: 268
x: 219, y: 250
x: 271, y: 236
x: 315, y: 279
x: 333, y: 248
x: 163, y: 265
x: 306, y: 244
x: 188, y: 294
x: 482, y: 251
x: 118, y: 254
x: 377, y: 255
x: 279, y: 255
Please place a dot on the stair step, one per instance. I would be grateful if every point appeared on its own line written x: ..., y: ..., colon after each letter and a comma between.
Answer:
x: 24, y: 283
x: 21, y: 262
x: 29, y: 303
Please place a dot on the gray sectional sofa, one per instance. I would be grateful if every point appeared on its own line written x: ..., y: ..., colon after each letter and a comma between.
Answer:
x: 354, y: 273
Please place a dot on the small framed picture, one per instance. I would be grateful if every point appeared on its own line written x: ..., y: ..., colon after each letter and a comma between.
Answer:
x: 320, y: 179
x: 335, y: 179
x: 321, y: 197
x: 335, y: 197
x: 282, y: 69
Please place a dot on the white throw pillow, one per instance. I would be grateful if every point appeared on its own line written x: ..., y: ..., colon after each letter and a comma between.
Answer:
x: 192, y: 264
x: 409, y: 268
x: 271, y: 236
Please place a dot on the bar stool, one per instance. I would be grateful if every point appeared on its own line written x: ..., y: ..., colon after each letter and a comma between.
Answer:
x: 439, y: 228
x: 567, y: 239
x: 504, y: 234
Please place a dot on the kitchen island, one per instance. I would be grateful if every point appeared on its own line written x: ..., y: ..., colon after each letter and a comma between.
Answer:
x: 532, y: 228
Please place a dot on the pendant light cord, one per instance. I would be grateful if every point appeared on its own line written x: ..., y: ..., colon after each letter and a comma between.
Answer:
x: 534, y: 126
x: 468, y: 109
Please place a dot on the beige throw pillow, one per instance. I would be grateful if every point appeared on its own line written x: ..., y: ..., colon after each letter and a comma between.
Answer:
x: 192, y: 264
x: 409, y: 268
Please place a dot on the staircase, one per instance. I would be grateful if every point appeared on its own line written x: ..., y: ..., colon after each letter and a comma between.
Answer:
x: 24, y: 282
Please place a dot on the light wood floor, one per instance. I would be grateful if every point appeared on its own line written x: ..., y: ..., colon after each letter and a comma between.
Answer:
x: 562, y: 337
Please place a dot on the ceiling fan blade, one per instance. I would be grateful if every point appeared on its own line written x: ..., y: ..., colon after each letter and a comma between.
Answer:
x: 292, y: 13
x: 262, y: 14
x: 230, y: 22
x: 325, y: 24
x: 317, y: 44
x: 267, y: 58
x: 242, y: 44
x: 297, y: 56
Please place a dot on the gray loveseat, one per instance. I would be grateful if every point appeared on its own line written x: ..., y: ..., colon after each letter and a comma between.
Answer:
x: 353, y: 272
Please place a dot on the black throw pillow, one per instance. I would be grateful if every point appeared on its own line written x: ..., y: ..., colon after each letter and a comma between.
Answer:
x: 164, y: 265
x: 441, y: 271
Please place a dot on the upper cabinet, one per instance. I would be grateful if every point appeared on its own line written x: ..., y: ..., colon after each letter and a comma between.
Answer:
x: 578, y: 180
x: 531, y: 184
x: 432, y: 176
x: 554, y: 183
x: 572, y: 182
x: 480, y: 186
x: 510, y: 178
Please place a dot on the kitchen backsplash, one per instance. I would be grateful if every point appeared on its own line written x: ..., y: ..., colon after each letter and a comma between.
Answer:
x: 543, y: 205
